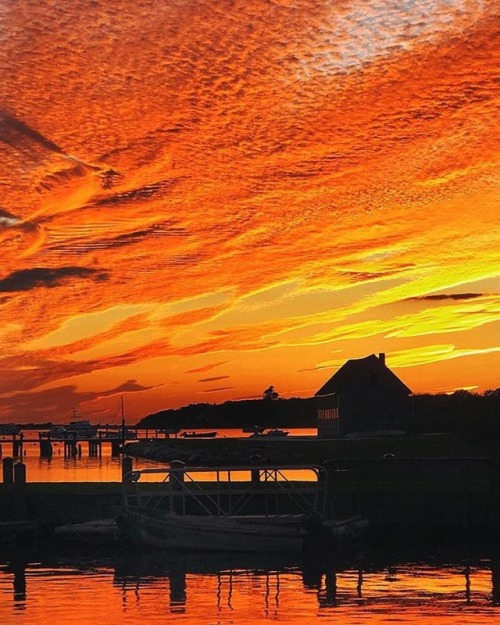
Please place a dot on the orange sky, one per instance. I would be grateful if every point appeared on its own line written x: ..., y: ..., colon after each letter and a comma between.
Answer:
x: 199, y: 199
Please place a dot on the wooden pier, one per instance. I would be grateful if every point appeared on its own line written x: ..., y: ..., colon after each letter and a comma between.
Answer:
x: 74, y: 445
x: 394, y: 494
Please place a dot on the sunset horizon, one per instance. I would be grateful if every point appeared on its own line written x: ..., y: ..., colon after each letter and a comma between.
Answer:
x: 202, y: 199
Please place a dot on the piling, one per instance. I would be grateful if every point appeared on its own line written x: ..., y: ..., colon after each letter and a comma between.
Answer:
x: 0, y: 450
x: 177, y: 480
x: 8, y: 470
x: 20, y: 474
x: 70, y: 449
x: 94, y: 448
x: 20, y: 490
x: 115, y: 448
x: 126, y: 467
x: 17, y: 447
x: 45, y: 448
x: 495, y: 499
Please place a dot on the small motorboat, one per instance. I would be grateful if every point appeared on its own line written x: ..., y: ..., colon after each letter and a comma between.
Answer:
x: 242, y: 508
x: 275, y: 432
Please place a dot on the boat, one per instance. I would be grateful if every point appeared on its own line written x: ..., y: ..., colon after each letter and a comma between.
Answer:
x: 242, y: 508
x: 100, y: 530
x: 80, y: 429
x: 117, y: 433
x: 57, y: 432
x: 199, y: 434
x: 276, y: 432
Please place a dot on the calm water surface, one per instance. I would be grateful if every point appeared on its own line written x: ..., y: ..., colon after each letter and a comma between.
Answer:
x: 153, y: 589
x: 86, y: 469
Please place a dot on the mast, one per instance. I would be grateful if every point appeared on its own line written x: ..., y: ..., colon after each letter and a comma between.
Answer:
x: 123, y: 418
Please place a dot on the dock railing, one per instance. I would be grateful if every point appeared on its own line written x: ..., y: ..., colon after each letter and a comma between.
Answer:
x: 237, y: 491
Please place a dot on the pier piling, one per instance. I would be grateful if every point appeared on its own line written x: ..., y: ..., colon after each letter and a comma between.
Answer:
x: 95, y: 448
x: 126, y: 466
x: 20, y: 490
x: 70, y: 449
x: 17, y: 446
x: 8, y: 470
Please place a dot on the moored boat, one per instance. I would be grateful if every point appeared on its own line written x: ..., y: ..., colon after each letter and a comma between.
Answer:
x: 199, y: 434
x: 244, y: 508
x: 80, y: 429
x: 276, y: 432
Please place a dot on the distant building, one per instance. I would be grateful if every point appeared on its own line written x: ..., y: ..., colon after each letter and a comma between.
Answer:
x: 363, y: 397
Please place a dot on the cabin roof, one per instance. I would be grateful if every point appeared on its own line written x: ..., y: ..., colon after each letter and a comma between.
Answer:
x: 361, y: 373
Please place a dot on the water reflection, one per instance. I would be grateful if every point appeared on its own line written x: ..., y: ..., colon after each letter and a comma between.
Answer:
x: 134, y: 571
x: 127, y: 586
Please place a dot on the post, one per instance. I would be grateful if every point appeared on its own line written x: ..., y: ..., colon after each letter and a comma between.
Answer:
x: 126, y: 467
x: 17, y: 446
x: 177, y: 481
x: 20, y: 473
x: 20, y: 489
x: 255, y: 473
x: 495, y: 499
x: 45, y: 448
x: 8, y: 470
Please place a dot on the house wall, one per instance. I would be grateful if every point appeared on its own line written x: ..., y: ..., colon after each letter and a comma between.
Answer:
x: 373, y: 410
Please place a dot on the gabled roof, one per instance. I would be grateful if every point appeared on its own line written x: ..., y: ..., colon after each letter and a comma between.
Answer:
x: 363, y: 373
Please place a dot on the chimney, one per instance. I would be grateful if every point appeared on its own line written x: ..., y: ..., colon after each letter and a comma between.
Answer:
x: 381, y: 357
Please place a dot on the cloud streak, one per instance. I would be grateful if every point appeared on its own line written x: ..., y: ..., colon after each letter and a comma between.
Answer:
x: 45, y: 277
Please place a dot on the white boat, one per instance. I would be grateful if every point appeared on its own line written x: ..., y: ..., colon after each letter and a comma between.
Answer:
x: 245, y: 508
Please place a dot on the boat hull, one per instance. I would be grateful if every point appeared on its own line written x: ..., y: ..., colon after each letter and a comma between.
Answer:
x: 200, y: 533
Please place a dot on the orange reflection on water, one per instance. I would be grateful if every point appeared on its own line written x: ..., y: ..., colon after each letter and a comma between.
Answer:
x: 211, y: 588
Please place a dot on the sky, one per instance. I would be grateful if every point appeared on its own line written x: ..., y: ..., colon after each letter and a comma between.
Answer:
x: 200, y: 198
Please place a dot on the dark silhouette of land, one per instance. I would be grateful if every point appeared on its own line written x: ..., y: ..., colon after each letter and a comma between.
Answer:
x: 462, y: 413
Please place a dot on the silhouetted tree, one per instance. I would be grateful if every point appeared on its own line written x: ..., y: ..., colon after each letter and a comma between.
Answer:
x: 462, y: 392
x: 492, y: 392
x: 270, y: 394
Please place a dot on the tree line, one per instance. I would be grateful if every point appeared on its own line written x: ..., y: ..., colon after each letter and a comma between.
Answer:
x: 460, y: 412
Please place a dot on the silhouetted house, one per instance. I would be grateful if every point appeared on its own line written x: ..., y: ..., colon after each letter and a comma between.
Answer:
x: 363, y: 397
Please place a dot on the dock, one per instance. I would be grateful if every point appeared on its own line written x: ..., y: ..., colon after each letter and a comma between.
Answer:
x: 75, y: 444
x: 436, y: 494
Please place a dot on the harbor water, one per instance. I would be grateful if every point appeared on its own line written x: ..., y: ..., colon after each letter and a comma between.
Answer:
x: 126, y: 587
x: 399, y: 582
x: 83, y: 468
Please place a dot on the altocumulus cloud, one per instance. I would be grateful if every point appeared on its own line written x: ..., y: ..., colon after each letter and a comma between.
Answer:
x: 27, y: 279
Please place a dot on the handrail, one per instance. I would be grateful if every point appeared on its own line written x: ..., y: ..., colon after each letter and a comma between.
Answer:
x: 182, y: 484
x: 316, y: 468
